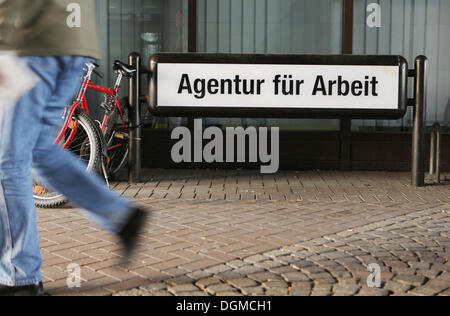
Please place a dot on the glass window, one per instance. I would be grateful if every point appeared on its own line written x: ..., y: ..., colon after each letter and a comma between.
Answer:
x: 271, y: 26
x: 144, y: 26
x: 408, y: 28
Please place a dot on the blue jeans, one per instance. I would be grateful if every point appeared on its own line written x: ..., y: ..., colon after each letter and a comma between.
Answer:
x: 27, y: 132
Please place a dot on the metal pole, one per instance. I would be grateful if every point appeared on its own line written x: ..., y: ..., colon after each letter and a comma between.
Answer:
x: 418, y: 141
x: 433, y: 151
x: 438, y: 153
x: 134, y: 115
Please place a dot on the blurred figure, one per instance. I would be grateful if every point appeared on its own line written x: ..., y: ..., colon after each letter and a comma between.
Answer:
x: 55, y: 46
x: 13, y: 86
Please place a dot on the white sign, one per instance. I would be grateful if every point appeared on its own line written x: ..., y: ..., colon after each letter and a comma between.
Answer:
x: 278, y: 86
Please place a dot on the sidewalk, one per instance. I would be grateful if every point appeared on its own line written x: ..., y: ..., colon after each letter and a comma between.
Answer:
x: 243, y: 233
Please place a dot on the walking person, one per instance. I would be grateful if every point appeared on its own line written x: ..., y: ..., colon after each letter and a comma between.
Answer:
x: 57, y: 54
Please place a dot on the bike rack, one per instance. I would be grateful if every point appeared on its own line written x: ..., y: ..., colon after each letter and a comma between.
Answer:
x: 435, y: 153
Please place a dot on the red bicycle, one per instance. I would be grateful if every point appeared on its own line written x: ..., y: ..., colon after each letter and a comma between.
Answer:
x: 102, y: 146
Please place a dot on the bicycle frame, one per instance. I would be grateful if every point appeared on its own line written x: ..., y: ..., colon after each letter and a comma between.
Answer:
x: 81, y: 102
x: 115, y: 92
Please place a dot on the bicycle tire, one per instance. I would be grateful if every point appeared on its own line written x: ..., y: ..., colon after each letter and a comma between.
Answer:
x: 85, y: 140
x: 117, y: 157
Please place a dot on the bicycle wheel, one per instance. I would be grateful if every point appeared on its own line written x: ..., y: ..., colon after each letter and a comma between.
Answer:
x: 85, y: 145
x: 117, y: 143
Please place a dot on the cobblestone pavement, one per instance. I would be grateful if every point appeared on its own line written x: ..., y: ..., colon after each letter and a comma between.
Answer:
x: 411, y: 250
x: 241, y: 233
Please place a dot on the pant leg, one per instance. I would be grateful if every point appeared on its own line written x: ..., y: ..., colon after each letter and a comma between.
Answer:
x: 27, y: 130
x: 62, y: 170
x: 20, y: 257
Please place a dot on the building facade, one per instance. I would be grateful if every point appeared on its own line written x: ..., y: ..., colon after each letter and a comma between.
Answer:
x: 363, y: 27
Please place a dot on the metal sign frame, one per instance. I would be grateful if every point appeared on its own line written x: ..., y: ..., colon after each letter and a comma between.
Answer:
x: 418, y: 101
x: 266, y: 112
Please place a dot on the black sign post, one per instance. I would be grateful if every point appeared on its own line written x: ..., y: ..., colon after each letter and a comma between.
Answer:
x: 419, y: 102
x: 368, y: 89
x: 134, y: 115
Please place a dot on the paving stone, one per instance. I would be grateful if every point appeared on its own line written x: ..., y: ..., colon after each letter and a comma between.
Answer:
x: 268, y: 264
x: 156, y: 293
x: 299, y: 265
x: 183, y: 288
x: 301, y: 288
x: 373, y: 292
x: 321, y: 290
x: 237, y: 263
x: 135, y: 292
x: 275, y: 284
x: 275, y: 253
x: 419, y: 265
x: 230, y: 275
x: 286, y: 259
x: 345, y: 289
x: 204, y: 283
x: 228, y: 294
x: 180, y: 281
x: 276, y: 291
x: 264, y: 277
x: 295, y: 277
x: 247, y: 270
x: 190, y: 294
x: 396, y: 287
x: 201, y: 236
x: 430, y: 274
x: 322, y: 278
x: 154, y: 287
x: 431, y: 288
x: 415, y: 280
x: 253, y: 291
x: 355, y: 253
x: 340, y: 273
x: 445, y: 293
x: 444, y: 277
x: 220, y: 288
x: 255, y: 259
x: 335, y: 255
x: 243, y: 283
x: 281, y: 270
x: 348, y: 281
x: 196, y: 275
x: 314, y: 270
x: 218, y: 269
